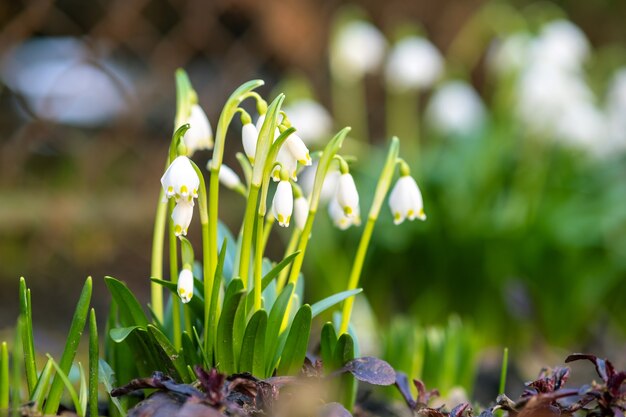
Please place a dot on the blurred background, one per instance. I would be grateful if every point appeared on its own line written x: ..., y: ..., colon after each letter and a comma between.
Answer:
x: 512, y: 115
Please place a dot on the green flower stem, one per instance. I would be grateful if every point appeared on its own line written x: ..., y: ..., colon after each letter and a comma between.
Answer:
x: 267, y: 230
x: 258, y: 262
x: 156, y: 267
x: 4, y: 377
x: 403, y: 119
x: 382, y: 188
x: 229, y: 111
x: 349, y: 107
x: 94, y: 349
x: 174, y: 277
x: 248, y: 229
x: 291, y: 247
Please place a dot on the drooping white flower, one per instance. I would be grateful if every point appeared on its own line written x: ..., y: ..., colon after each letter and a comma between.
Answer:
x: 584, y: 126
x: 413, y: 64
x: 181, y: 216
x: 511, y: 54
x: 228, y: 177
x: 249, y: 138
x: 200, y: 134
x: 340, y: 219
x: 282, y: 204
x: 300, y: 211
x: 456, y: 109
x: 298, y: 149
x: 616, y: 111
x: 313, y: 121
x: 287, y: 161
x: 180, y: 180
x: 357, y: 50
x: 347, y: 195
x: 185, y: 285
x: 405, y: 200
x: 561, y: 44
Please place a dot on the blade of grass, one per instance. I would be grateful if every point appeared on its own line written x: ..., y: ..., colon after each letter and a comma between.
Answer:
x: 65, y: 381
x: 18, y: 361
x: 82, y: 391
x: 4, y: 377
x: 73, y: 339
x: 330, y: 301
x: 27, y: 336
x: 94, y: 351
x: 43, y: 383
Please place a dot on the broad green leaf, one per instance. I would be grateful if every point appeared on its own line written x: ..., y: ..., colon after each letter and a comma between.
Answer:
x: 178, y: 361
x: 274, y: 323
x: 211, y: 318
x: 328, y: 302
x: 239, y: 327
x: 292, y: 357
x: 65, y: 381
x: 328, y: 341
x: 94, y: 349
x: 344, y: 352
x: 190, y: 351
x: 131, y: 313
x: 27, y: 336
x: 119, y: 334
x: 73, y: 339
x: 43, y: 383
x: 224, y: 353
x: 252, y: 358
x: 107, y: 377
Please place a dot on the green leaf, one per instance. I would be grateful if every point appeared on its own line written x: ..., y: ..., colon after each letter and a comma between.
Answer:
x: 94, y: 349
x: 186, y: 251
x: 273, y: 273
x: 274, y: 323
x: 73, y: 339
x: 190, y: 351
x: 239, y: 327
x: 119, y: 334
x: 82, y: 391
x: 4, y: 376
x: 211, y: 316
x: 65, y: 381
x: 328, y: 341
x: 344, y: 352
x: 224, y: 353
x: 252, y: 358
x: 328, y: 302
x: 27, y: 336
x: 177, y: 360
x: 294, y: 352
x: 131, y: 313
x: 107, y: 377
x: 38, y: 395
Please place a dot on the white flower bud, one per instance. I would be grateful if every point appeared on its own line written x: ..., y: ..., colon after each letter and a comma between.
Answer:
x: 414, y: 63
x: 180, y: 180
x: 282, y: 205
x: 340, y: 219
x: 347, y: 195
x: 181, y: 216
x: 185, y: 285
x: 300, y: 211
x: 249, y: 137
x: 199, y: 135
x: 298, y: 149
x: 228, y: 177
x: 405, y: 200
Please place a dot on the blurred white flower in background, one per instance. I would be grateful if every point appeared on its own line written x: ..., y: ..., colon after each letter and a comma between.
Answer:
x: 583, y: 125
x: 307, y: 179
x: 200, y: 134
x: 357, y: 49
x: 313, y: 121
x: 509, y: 55
x: 413, y: 64
x: 456, y: 109
x: 561, y: 44
x: 616, y: 110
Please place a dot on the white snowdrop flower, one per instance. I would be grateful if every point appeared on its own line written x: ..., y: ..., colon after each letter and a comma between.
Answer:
x: 313, y: 121
x: 509, y: 55
x: 200, y: 134
x: 282, y: 204
x: 561, y: 44
x: 405, y: 200
x: 300, y: 211
x: 583, y: 125
x: 228, y: 177
x: 339, y: 218
x: 616, y: 111
x: 181, y: 216
x: 456, y: 109
x: 287, y: 161
x: 185, y: 285
x: 307, y: 179
x: 347, y: 195
x: 249, y: 138
x: 413, y: 64
x: 298, y: 149
x: 259, y: 125
x: 357, y: 50
x: 180, y: 180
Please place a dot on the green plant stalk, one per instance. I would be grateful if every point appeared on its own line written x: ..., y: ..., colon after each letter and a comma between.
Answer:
x: 382, y: 188
x: 4, y: 377
x: 73, y: 339
x: 350, y: 108
x: 267, y: 230
x: 503, y: 371
x: 248, y: 232
x: 258, y: 262
x: 229, y: 111
x: 94, y: 351
x: 18, y: 360
x: 291, y: 247
x: 177, y: 334
x: 156, y: 266
x: 27, y: 336
x: 403, y: 120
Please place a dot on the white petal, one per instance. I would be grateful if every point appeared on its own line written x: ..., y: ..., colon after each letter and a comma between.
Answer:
x: 200, y: 135
x: 180, y: 179
x: 249, y: 137
x: 185, y: 285
x: 228, y: 177
x: 337, y: 215
x: 405, y: 200
x: 347, y: 194
x: 298, y: 149
x: 301, y: 211
x: 181, y: 216
x: 283, y: 203
x: 287, y: 161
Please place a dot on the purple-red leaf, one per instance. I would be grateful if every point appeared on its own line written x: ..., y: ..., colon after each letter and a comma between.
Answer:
x: 334, y: 410
x: 402, y: 383
x: 459, y: 410
x: 371, y: 370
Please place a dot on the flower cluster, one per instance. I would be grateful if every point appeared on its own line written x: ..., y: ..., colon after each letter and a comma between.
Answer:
x: 181, y: 182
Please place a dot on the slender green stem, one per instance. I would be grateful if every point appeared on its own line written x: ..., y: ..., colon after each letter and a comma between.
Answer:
x: 258, y: 262
x: 382, y: 187
x: 214, y: 184
x: 291, y: 247
x: 173, y: 248
x: 156, y: 266
x: 18, y: 361
x: 504, y: 370
x: 94, y: 349
x: 4, y: 377
x: 403, y: 120
x: 248, y: 229
x: 267, y: 230
x: 27, y: 336
x: 350, y: 108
